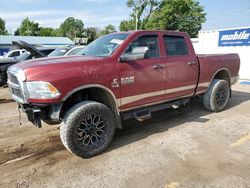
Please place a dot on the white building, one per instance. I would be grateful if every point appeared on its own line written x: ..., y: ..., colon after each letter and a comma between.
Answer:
x: 235, y: 40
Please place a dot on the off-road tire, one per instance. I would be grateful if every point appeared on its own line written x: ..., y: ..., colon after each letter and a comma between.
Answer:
x: 73, y: 120
x: 3, y: 78
x: 214, y: 94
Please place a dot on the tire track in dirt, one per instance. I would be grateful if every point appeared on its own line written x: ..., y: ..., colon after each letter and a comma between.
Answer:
x: 6, y: 101
x: 44, y: 145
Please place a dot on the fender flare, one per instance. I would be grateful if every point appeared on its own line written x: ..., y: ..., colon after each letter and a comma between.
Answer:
x: 89, y: 86
x: 222, y: 69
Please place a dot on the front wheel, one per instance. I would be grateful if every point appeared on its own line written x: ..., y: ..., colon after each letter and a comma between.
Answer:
x: 87, y: 128
x: 217, y: 96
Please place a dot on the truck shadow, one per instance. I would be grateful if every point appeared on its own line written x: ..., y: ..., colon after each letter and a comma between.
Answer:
x: 49, y: 143
x: 163, y: 120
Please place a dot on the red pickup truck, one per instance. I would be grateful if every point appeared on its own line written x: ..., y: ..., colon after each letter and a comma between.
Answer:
x: 117, y: 77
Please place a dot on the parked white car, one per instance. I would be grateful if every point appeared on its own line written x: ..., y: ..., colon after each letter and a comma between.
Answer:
x: 67, y: 51
x: 74, y: 51
x: 13, y: 53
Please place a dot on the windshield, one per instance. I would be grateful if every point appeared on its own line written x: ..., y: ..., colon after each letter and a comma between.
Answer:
x: 104, y: 46
x: 58, y: 52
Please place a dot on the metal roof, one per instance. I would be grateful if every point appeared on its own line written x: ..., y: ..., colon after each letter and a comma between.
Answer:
x: 44, y: 41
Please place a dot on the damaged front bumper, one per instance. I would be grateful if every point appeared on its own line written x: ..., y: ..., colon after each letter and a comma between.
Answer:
x: 38, y: 113
x: 34, y: 115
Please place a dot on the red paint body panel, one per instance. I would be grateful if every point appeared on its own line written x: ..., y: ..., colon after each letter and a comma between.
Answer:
x: 177, y: 79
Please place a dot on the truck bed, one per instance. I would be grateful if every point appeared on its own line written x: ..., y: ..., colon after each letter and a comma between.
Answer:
x: 210, y: 64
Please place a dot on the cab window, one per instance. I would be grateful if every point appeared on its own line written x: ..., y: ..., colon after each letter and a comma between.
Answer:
x: 148, y: 41
x: 175, y: 46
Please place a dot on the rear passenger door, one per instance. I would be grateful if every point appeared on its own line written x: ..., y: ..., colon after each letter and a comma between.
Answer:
x: 181, y: 67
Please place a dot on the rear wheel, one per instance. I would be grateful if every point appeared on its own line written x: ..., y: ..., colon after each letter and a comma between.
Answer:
x: 217, y: 96
x: 87, y: 129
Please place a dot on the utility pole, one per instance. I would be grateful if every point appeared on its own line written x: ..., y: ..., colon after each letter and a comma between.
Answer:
x: 136, y: 19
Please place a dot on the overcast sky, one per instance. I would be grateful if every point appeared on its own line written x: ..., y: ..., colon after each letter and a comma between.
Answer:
x: 98, y: 13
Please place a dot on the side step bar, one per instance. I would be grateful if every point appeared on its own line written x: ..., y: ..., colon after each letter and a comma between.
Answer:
x: 142, y: 114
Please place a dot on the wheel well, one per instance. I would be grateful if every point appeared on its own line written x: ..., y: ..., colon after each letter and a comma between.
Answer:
x: 223, y: 75
x: 93, y: 94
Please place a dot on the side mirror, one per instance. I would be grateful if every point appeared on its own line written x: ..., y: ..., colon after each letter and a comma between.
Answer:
x: 136, y: 54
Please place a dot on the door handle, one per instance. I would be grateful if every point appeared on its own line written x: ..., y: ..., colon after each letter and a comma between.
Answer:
x: 192, y: 63
x: 159, y: 66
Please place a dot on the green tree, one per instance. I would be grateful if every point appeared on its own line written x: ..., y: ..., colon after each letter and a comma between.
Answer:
x: 28, y: 28
x: 2, y: 27
x: 127, y: 25
x: 107, y: 30
x: 57, y: 32
x: 142, y: 10
x: 91, y: 33
x: 17, y: 32
x: 72, y: 28
x: 47, y: 32
x: 178, y: 15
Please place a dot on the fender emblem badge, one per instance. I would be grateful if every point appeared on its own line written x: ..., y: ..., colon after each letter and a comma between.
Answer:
x: 115, y: 83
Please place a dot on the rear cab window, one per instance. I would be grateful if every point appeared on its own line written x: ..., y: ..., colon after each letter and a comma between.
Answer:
x: 175, y: 45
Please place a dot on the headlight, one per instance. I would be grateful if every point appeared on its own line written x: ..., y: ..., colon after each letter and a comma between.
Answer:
x: 41, y: 90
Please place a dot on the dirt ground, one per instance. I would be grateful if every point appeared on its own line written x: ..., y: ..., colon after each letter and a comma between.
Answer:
x: 188, y: 147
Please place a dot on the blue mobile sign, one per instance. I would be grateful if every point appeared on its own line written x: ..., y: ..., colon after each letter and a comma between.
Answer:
x: 238, y: 37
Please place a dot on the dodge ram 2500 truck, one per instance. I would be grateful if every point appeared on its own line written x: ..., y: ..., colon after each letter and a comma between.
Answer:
x: 117, y: 77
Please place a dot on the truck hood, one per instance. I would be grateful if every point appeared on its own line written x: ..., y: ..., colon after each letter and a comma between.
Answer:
x: 56, y: 61
x: 53, y: 68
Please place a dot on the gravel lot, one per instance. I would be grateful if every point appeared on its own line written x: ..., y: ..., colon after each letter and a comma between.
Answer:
x: 188, y: 147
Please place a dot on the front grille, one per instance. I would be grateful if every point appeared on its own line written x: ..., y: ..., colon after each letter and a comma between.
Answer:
x: 17, y: 93
x: 15, y: 87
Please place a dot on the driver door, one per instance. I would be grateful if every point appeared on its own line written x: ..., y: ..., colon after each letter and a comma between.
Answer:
x: 142, y: 81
